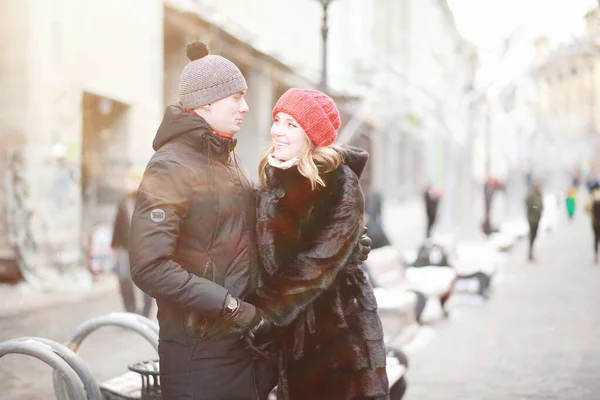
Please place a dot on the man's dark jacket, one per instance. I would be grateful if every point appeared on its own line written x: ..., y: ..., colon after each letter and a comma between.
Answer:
x: 534, y: 205
x: 193, y: 228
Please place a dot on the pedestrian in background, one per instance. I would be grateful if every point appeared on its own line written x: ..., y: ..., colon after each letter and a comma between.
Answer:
x: 534, y: 207
x: 310, y: 214
x: 592, y: 207
x: 431, y: 197
x: 120, y: 244
x: 373, y: 218
x: 571, y: 201
x: 576, y: 178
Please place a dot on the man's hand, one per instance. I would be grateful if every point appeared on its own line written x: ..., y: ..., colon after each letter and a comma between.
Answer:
x: 241, y: 314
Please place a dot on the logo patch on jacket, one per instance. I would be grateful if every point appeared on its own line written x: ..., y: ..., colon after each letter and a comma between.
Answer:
x: 157, y: 215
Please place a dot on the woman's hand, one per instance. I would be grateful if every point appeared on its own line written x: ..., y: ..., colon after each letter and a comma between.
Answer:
x: 251, y: 340
x: 361, y: 251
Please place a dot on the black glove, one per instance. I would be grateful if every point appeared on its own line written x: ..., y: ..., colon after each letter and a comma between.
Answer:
x: 242, y: 315
x: 361, y: 251
x: 253, y: 344
x: 262, y: 327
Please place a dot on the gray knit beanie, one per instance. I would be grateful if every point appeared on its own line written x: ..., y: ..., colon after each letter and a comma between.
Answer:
x: 208, y: 78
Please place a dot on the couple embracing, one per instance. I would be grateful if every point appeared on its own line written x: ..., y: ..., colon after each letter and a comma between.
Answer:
x: 257, y: 286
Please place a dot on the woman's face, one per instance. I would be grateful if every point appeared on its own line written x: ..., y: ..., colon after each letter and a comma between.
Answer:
x: 289, y: 139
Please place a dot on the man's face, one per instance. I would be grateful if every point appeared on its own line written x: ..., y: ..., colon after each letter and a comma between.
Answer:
x: 226, y: 115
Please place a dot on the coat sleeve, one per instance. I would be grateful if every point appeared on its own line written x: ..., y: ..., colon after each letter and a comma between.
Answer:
x: 292, y: 287
x: 160, y: 210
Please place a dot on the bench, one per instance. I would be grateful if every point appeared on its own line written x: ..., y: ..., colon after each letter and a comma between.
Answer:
x: 141, y: 381
x: 396, y: 301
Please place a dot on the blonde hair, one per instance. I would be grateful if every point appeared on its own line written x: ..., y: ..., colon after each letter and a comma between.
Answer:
x: 313, y: 161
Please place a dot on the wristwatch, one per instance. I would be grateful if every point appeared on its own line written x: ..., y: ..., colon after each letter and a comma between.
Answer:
x: 231, y: 304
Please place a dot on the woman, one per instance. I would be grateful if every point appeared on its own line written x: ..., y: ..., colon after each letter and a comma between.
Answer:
x: 309, y: 216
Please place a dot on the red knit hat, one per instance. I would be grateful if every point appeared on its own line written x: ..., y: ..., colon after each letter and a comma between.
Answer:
x: 315, y: 112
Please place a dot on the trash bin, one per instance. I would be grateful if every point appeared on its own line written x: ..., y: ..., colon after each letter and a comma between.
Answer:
x: 150, y: 379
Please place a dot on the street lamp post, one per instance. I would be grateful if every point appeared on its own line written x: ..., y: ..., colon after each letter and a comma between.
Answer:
x: 324, y: 32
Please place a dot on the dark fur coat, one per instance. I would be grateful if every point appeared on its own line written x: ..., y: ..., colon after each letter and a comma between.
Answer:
x: 330, y: 335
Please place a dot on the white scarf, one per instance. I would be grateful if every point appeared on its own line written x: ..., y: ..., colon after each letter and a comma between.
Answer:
x: 274, y: 162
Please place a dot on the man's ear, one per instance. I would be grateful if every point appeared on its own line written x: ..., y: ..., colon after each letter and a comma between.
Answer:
x: 204, y: 108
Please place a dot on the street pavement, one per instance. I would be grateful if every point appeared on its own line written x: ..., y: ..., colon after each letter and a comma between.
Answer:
x: 538, y: 337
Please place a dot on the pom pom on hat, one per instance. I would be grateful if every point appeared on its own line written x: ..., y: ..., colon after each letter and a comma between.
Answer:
x: 316, y: 113
x: 196, y: 51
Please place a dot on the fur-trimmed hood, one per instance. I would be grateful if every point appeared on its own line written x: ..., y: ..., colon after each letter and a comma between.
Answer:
x: 354, y: 158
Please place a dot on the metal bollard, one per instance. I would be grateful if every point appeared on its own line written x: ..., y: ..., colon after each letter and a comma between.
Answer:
x: 35, y: 348
x: 76, y: 363
x: 112, y: 319
x: 139, y: 318
x: 137, y: 323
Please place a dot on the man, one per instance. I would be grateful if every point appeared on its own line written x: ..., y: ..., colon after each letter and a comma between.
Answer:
x: 193, y: 245
x: 489, y: 189
x: 534, y: 208
x: 593, y: 208
x: 373, y: 218
x: 431, y: 196
x: 120, y: 244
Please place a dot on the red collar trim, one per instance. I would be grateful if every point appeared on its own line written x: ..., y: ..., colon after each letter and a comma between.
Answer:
x: 222, y: 134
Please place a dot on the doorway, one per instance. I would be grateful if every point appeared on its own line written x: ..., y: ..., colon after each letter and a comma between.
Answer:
x: 104, y: 162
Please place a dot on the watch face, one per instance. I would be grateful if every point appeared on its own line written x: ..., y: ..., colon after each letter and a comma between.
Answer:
x: 232, y: 304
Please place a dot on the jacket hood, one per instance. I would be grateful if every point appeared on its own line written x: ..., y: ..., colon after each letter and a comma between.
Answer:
x: 177, y: 122
x: 197, y: 132
x: 356, y: 159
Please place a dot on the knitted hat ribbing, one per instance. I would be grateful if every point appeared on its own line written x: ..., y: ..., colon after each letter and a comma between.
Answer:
x: 316, y: 113
x: 208, y: 78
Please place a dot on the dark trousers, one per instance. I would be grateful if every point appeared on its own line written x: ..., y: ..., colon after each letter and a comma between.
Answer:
x: 533, y: 230
x: 483, y: 280
x: 430, y: 222
x: 420, y: 306
x: 596, y: 238
x: 213, y: 370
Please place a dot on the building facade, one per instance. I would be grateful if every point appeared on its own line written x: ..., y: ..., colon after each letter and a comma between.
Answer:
x: 93, y: 79
x: 79, y: 105
x: 567, y: 107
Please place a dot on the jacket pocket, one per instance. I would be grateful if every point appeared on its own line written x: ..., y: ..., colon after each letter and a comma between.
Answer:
x: 196, y: 325
x: 193, y: 324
